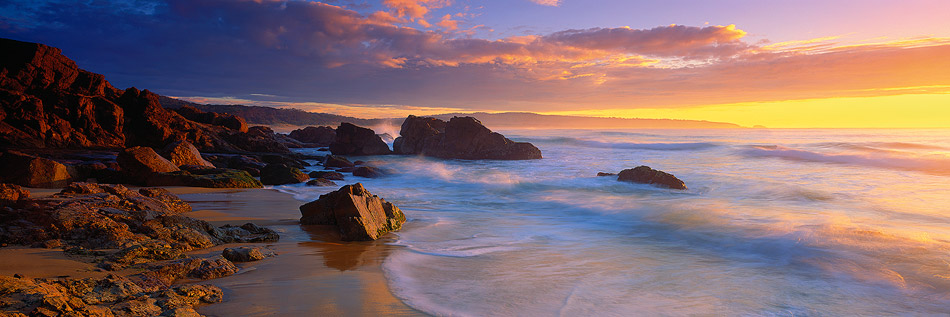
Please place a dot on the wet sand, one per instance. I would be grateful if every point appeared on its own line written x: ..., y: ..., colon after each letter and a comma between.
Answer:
x: 314, y: 273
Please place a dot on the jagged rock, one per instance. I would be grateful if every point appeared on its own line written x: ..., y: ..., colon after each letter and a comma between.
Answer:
x: 184, y: 153
x: 605, y: 174
x: 31, y: 171
x: 320, y: 182
x: 243, y: 254
x: 646, y: 175
x: 326, y: 175
x: 207, y: 177
x: 318, y: 136
x: 337, y: 161
x: 357, y: 213
x: 280, y: 174
x: 460, y: 138
x: 213, y: 118
x: 10, y: 193
x: 258, y: 139
x: 140, y: 163
x: 354, y: 140
x: 368, y: 172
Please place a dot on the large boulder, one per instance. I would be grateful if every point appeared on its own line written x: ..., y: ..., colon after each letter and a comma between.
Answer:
x: 354, y: 140
x: 646, y: 175
x: 139, y: 163
x: 280, y: 174
x: 459, y: 138
x: 319, y: 136
x: 184, y: 153
x: 31, y: 171
x: 358, y: 214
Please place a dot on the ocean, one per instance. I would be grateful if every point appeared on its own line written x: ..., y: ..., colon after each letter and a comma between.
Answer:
x: 775, y: 222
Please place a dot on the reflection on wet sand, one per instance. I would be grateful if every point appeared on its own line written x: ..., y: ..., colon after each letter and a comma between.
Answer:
x: 314, y: 273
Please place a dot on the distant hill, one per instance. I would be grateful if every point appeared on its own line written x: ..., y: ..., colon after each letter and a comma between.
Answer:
x: 258, y: 115
x: 534, y: 120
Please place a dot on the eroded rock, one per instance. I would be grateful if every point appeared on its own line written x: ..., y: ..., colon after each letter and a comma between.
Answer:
x: 646, y: 175
x: 357, y: 213
x: 355, y: 140
x: 459, y: 138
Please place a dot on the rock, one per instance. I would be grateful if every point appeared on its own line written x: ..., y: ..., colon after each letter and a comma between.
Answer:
x: 346, y: 169
x: 605, y: 174
x: 213, y: 118
x: 280, y: 174
x: 354, y: 140
x: 258, y: 139
x: 243, y: 254
x: 283, y: 159
x: 319, y: 136
x: 647, y: 175
x: 206, y: 177
x: 246, y: 163
x: 460, y: 138
x: 368, y: 172
x: 184, y: 153
x: 31, y: 171
x: 337, y: 161
x: 10, y: 193
x: 140, y: 163
x: 320, y: 182
x: 357, y: 213
x: 327, y: 175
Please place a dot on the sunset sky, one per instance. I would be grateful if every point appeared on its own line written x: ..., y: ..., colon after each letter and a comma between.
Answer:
x: 866, y: 63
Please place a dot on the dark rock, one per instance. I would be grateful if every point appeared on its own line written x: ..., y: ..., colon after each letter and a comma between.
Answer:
x: 184, y: 153
x: 359, y: 214
x: 246, y: 163
x: 31, y: 171
x: 325, y: 149
x: 10, y: 193
x: 213, y: 118
x: 337, y: 161
x: 327, y: 175
x: 647, y: 175
x: 320, y: 182
x: 258, y: 139
x: 368, y: 172
x: 280, y: 174
x: 346, y: 169
x: 243, y: 254
x: 319, y: 136
x: 140, y: 163
x: 283, y: 159
x: 206, y: 177
x: 354, y: 140
x: 460, y: 138
x: 605, y: 174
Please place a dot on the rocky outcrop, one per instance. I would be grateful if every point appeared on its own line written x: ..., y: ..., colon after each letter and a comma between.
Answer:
x: 31, y: 171
x: 354, y: 140
x: 243, y: 254
x: 317, y: 136
x: 46, y: 101
x: 280, y: 174
x: 646, y: 175
x: 459, y: 138
x: 10, y: 193
x: 357, y: 213
x: 139, y: 163
x: 205, y: 177
x: 258, y: 139
x: 184, y: 153
x: 213, y: 118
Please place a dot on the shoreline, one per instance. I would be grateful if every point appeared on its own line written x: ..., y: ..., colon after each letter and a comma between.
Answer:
x: 313, y: 271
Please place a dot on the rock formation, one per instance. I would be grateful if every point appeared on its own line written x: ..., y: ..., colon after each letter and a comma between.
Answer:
x: 280, y: 174
x: 139, y: 163
x: 359, y: 214
x: 354, y: 140
x: 318, y: 136
x: 31, y: 171
x: 184, y: 153
x: 213, y: 118
x: 459, y: 138
x: 646, y: 175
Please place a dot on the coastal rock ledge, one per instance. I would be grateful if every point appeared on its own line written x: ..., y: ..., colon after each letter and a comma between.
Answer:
x: 359, y: 214
x: 459, y: 138
x: 646, y: 175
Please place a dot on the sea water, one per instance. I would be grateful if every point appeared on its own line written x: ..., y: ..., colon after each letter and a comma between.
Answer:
x: 775, y: 222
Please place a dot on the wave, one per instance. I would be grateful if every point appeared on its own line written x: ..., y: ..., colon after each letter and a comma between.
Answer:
x: 933, y: 164
x: 686, y: 146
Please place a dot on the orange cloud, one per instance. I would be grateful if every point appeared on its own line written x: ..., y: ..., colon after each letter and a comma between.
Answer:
x: 448, y: 24
x: 414, y: 9
x: 551, y: 3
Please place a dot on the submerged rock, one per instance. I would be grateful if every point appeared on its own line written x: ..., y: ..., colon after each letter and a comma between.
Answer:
x: 358, y: 214
x: 337, y: 161
x: 646, y: 175
x: 459, y: 138
x: 243, y: 254
x: 355, y: 140
x: 605, y: 174
x: 320, y: 182
x: 327, y: 175
x: 368, y: 172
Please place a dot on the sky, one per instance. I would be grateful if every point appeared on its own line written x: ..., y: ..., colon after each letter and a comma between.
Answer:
x: 783, y: 64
